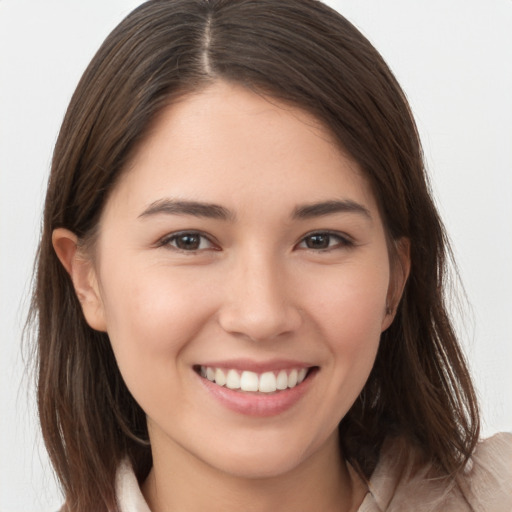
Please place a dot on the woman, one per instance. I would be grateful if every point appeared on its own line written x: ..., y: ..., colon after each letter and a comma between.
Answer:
x: 240, y: 279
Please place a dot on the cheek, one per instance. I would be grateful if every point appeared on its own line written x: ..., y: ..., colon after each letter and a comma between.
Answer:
x: 155, y: 304
x: 350, y: 303
x: 151, y: 316
x: 348, y: 309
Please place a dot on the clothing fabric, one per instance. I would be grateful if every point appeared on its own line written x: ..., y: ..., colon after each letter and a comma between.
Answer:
x: 400, y: 484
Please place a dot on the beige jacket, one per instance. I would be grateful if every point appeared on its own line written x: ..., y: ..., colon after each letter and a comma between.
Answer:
x: 398, y: 486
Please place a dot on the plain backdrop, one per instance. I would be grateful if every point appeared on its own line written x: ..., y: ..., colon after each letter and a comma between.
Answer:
x: 454, y: 61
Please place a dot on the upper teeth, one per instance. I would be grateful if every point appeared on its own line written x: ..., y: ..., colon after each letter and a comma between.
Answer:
x: 266, y: 382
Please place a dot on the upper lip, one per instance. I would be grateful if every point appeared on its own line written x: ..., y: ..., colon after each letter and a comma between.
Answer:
x: 256, y: 366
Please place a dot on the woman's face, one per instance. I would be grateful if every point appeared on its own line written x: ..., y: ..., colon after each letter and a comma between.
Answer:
x: 242, y: 248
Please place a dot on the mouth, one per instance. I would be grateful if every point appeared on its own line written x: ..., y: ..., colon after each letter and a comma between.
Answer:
x: 269, y: 382
x: 257, y: 389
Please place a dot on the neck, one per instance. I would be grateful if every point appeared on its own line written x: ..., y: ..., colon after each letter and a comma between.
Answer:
x: 180, y: 481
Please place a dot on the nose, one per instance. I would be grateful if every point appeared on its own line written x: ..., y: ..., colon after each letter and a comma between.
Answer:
x: 259, y: 304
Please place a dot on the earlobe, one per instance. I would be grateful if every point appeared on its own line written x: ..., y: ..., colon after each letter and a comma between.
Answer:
x: 82, y: 274
x: 400, y: 269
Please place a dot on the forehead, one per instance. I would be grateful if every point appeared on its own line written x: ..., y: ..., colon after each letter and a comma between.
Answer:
x: 231, y: 146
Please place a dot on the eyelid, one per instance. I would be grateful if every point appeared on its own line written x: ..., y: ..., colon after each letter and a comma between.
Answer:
x: 166, y: 239
x: 346, y: 241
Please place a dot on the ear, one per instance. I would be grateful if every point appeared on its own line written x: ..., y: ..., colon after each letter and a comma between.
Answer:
x: 82, y: 273
x: 400, y: 268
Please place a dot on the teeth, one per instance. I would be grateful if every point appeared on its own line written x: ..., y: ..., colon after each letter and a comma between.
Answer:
x: 233, y: 380
x: 248, y: 381
x: 282, y: 380
x: 292, y: 378
x: 220, y: 377
x: 267, y: 382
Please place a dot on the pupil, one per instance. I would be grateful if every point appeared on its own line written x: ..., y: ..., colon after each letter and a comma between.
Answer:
x: 189, y: 242
x: 318, y: 242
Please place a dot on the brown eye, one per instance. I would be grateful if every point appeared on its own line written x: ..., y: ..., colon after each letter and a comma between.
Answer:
x: 322, y: 241
x: 187, y: 241
x: 318, y: 241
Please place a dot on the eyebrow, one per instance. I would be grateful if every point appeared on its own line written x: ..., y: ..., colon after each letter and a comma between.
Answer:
x: 194, y: 208
x: 320, y: 209
x: 215, y: 211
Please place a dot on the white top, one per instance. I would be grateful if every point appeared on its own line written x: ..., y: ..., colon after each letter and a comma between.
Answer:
x: 397, y: 486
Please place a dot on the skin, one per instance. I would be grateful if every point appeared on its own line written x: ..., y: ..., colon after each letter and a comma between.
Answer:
x: 256, y: 287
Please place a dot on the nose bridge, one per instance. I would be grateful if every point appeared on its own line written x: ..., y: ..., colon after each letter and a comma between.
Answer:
x: 257, y: 303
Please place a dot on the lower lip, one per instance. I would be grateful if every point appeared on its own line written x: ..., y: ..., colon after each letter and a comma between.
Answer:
x: 259, y: 404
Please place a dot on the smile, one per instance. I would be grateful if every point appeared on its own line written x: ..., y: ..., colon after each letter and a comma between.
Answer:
x: 257, y: 389
x: 266, y: 382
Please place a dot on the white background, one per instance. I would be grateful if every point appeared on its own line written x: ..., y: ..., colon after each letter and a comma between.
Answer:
x: 452, y: 57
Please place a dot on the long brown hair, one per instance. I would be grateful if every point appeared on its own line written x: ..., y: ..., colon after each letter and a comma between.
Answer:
x: 301, y: 52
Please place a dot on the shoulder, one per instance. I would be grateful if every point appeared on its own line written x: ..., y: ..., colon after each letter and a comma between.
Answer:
x: 487, y: 481
x: 128, y: 494
x: 485, y: 485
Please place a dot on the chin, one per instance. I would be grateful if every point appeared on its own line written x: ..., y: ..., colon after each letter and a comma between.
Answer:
x: 264, y: 457
x: 258, y: 466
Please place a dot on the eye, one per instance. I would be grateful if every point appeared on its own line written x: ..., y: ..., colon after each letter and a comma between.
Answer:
x: 187, y: 241
x: 324, y: 240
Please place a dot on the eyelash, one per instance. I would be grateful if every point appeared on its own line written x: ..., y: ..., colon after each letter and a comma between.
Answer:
x: 343, y: 241
x: 168, y: 240
x: 172, y: 240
